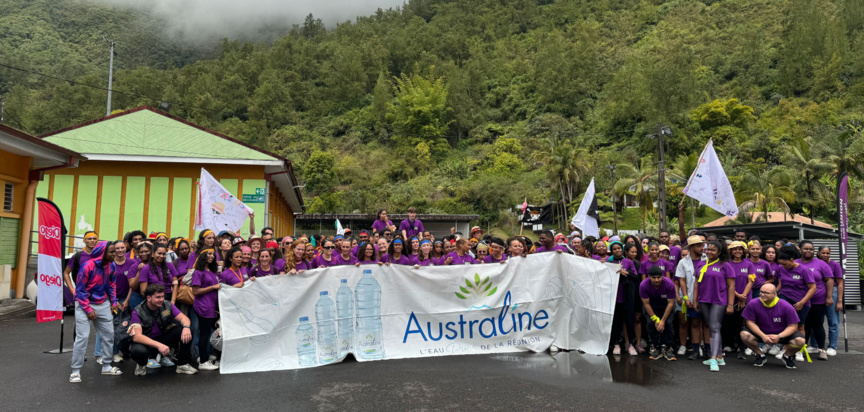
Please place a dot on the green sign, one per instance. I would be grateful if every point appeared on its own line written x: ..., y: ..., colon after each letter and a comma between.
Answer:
x: 253, y: 198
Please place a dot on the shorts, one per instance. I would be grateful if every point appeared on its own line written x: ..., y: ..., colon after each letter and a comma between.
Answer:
x: 802, y: 314
x: 783, y: 341
x: 693, y: 314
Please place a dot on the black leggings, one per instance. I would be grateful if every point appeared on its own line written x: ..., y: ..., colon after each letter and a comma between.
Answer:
x: 814, y: 326
x: 206, y: 327
x: 731, y: 330
x: 623, y: 314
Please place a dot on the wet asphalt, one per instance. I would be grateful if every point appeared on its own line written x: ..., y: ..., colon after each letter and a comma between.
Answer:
x: 31, y: 380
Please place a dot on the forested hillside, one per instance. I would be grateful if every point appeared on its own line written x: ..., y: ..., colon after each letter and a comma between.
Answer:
x: 469, y: 106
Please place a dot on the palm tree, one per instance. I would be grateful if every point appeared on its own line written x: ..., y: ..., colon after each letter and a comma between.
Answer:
x: 566, y: 166
x: 643, y: 181
x: 804, y: 160
x: 682, y: 168
x: 766, y: 188
x: 848, y: 159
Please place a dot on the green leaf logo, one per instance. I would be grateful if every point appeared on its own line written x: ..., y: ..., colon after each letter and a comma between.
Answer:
x: 477, y: 288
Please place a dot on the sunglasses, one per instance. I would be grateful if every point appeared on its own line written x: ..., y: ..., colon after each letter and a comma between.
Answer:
x: 329, y: 247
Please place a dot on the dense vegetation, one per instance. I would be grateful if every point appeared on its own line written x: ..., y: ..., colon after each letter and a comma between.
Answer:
x: 470, y: 106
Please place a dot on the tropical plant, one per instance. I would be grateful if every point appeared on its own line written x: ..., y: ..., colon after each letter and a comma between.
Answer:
x: 849, y: 156
x: 767, y: 189
x: 804, y: 160
x: 639, y: 181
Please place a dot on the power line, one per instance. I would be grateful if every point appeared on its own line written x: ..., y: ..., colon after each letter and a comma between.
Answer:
x: 77, y: 83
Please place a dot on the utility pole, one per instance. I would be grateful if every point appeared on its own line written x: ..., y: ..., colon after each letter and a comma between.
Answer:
x: 614, y: 210
x: 110, y: 74
x: 661, y: 168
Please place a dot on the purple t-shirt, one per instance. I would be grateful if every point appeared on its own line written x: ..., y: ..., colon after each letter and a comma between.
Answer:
x: 280, y: 265
x: 338, y: 260
x: 368, y: 262
x: 258, y: 272
x: 231, y: 277
x: 665, y: 265
x: 155, y: 333
x: 793, y: 283
x: 674, y: 257
x: 379, y: 226
x: 205, y: 305
x: 712, y: 287
x: 124, y: 272
x: 183, y: 266
x: 415, y: 260
x: 763, y: 273
x: 742, y: 270
x: 403, y: 259
x: 821, y: 273
x: 657, y: 296
x: 152, y: 277
x: 771, y: 321
x: 562, y: 248
x: 412, y: 229
x: 836, y: 269
x: 460, y: 260
x: 491, y: 259
x: 320, y: 262
x: 84, y: 258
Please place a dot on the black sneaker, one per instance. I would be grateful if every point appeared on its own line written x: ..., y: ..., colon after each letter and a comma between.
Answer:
x: 655, y: 353
x: 760, y: 360
x: 670, y: 354
x: 741, y: 355
x: 790, y: 363
x: 693, y: 355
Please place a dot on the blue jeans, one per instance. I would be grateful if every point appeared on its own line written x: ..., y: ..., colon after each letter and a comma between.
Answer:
x: 833, y: 320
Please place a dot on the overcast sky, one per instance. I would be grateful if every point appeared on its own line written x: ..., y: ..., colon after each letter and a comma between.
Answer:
x: 215, y: 19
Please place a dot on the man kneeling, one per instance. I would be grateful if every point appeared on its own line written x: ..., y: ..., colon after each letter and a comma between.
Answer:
x: 771, y: 320
x: 158, y: 326
x: 658, y: 298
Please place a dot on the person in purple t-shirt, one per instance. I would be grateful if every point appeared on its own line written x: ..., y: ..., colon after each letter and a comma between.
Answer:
x: 674, y: 251
x: 496, y: 251
x: 745, y: 274
x: 822, y: 299
x: 265, y: 266
x: 184, y: 262
x: 394, y: 254
x: 424, y: 258
x: 205, y: 287
x: 796, y: 283
x: 832, y: 313
x: 233, y: 273
x: 159, y: 271
x: 345, y: 258
x: 75, y: 264
x: 156, y: 327
x: 623, y: 314
x: 383, y: 223
x: 460, y: 256
x: 412, y: 226
x: 326, y: 258
x: 366, y: 254
x: 772, y: 321
x: 658, y: 298
x: 654, y: 260
x: 547, y: 243
x: 715, y: 292
x: 764, y: 272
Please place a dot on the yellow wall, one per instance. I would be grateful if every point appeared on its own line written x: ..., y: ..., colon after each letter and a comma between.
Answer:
x: 14, y: 169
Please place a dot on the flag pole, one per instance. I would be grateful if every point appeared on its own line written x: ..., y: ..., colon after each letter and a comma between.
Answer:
x: 521, y: 220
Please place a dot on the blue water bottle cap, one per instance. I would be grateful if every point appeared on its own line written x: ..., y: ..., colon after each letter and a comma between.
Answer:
x: 304, y: 319
x: 344, y: 281
x: 324, y: 293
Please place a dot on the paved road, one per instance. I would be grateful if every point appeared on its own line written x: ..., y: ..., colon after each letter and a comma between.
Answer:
x: 565, y: 381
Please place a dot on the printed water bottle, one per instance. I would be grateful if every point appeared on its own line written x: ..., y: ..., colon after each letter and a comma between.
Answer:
x: 306, y: 343
x: 345, y: 318
x: 367, y: 298
x: 328, y: 342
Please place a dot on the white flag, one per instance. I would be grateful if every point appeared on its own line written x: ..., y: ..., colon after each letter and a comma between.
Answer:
x: 218, y: 209
x: 586, y: 217
x: 710, y: 185
x: 339, y: 229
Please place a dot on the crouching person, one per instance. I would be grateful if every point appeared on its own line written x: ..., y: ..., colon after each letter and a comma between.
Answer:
x: 157, y: 326
x: 771, y: 320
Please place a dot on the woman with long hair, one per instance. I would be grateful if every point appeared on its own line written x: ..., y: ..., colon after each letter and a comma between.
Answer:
x: 233, y: 272
x: 265, y: 266
x: 655, y: 260
x: 295, y: 259
x: 184, y: 263
x: 366, y: 254
x: 437, y: 249
x: 715, y: 292
x: 345, y: 258
x: 414, y: 248
x: 206, y: 240
x: 326, y: 257
x: 224, y: 246
x: 796, y: 285
x: 157, y: 270
x: 256, y: 244
x: 424, y: 256
x: 460, y: 256
x: 631, y: 252
x: 205, y: 287
x: 623, y: 314
x: 394, y: 254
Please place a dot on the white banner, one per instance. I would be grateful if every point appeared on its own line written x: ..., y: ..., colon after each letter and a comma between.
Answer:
x: 392, y: 312
x: 218, y: 209
x: 709, y: 183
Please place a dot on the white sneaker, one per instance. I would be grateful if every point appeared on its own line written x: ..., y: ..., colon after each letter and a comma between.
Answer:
x: 812, y: 349
x: 727, y: 349
x: 140, y: 370
x: 75, y: 377
x: 99, y: 360
x: 799, y: 357
x: 643, y: 343
x: 215, y: 362
x: 212, y: 358
x: 748, y: 352
x: 118, y: 358
x: 832, y: 352
x: 780, y: 355
x: 682, y: 350
x: 186, y: 370
x: 208, y: 366
x: 775, y: 349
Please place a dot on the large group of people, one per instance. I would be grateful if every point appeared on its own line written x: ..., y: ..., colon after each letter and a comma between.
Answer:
x: 699, y: 295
